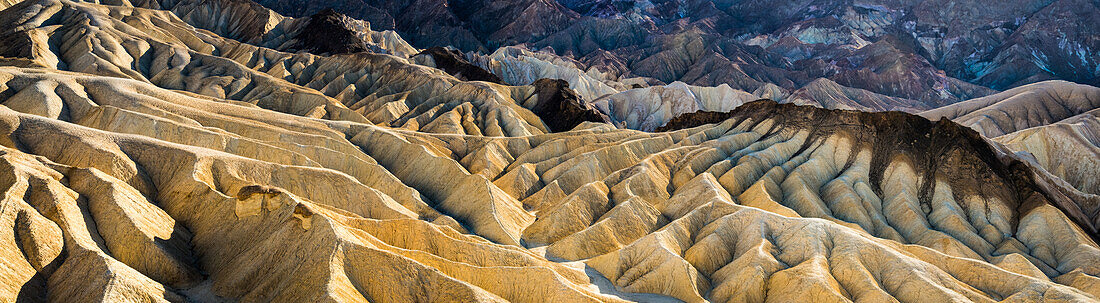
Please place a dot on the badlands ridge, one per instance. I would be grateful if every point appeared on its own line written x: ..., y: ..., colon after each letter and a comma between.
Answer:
x: 216, y: 151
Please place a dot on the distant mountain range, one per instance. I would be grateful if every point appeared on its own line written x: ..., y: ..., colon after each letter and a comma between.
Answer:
x: 932, y: 53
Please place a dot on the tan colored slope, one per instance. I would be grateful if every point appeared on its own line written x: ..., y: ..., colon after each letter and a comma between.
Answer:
x: 245, y: 240
x: 157, y: 47
x: 826, y: 93
x: 167, y: 163
x: 519, y: 66
x: 690, y: 253
x: 248, y: 22
x: 258, y: 217
x: 8, y: 3
x: 151, y: 46
x: 651, y: 107
x: 1069, y: 149
x: 193, y: 197
x: 103, y: 102
x: 1021, y: 108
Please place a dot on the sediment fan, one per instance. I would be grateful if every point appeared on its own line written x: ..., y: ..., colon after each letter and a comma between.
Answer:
x: 179, y: 151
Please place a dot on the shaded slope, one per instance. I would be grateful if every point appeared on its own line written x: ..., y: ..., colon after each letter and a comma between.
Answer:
x: 560, y: 108
x: 455, y: 63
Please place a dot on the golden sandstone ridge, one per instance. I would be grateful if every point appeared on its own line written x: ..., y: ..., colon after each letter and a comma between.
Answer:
x: 179, y: 151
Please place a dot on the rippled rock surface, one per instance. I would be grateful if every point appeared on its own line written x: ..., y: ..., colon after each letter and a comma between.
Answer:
x: 194, y: 151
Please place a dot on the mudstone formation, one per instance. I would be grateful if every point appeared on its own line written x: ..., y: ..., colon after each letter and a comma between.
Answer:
x: 218, y: 151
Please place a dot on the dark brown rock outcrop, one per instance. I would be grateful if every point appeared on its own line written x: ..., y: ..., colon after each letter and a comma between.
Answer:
x: 560, y: 107
x: 328, y: 33
x: 454, y: 63
x: 694, y: 119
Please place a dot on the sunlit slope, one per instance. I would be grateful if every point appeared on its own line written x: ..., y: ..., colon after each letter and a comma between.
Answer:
x: 174, y: 196
x: 201, y: 151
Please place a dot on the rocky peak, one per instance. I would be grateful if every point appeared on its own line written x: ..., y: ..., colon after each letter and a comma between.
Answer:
x: 454, y: 63
x: 328, y: 32
x: 560, y: 107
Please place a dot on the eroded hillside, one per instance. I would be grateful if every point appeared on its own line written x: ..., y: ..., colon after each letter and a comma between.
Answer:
x: 151, y: 154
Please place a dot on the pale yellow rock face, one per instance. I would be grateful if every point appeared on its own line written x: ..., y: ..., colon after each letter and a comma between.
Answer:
x: 1021, y: 108
x: 149, y: 157
x: 518, y: 66
x: 651, y: 107
x: 1069, y: 149
x: 828, y: 94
